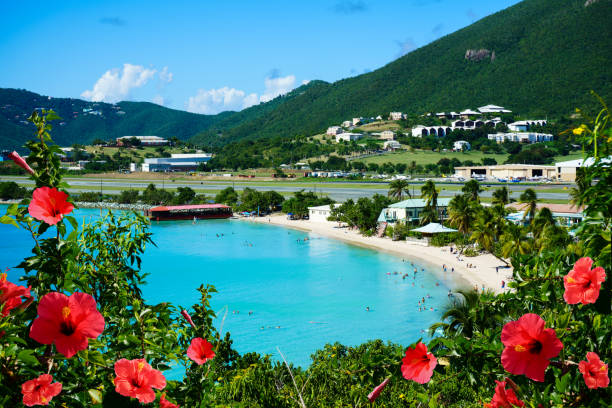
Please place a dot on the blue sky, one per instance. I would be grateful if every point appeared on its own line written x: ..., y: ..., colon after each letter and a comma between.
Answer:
x: 210, y: 56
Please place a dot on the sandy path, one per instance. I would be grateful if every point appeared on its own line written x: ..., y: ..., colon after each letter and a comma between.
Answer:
x: 482, y: 273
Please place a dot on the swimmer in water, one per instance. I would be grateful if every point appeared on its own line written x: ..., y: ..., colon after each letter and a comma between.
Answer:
x: 367, y: 308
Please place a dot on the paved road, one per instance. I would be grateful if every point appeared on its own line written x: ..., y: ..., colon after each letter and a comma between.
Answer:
x: 356, y: 190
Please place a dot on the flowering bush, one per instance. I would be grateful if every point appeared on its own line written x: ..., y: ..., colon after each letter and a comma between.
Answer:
x: 80, y: 334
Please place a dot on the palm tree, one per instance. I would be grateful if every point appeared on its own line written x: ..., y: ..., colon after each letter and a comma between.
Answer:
x: 412, y: 167
x: 429, y: 214
x: 530, y: 200
x: 468, y: 314
x: 577, y: 193
x: 472, y: 189
x: 515, y: 241
x: 461, y: 213
x: 501, y: 197
x: 430, y: 193
x: 543, y: 219
x: 485, y: 232
x: 397, y: 189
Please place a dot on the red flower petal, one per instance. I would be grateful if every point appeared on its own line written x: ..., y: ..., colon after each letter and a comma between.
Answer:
x: 20, y: 161
x: 418, y: 364
x: 376, y: 392
x: 594, y: 371
x: 40, y: 391
x: 136, y: 379
x: 49, y: 205
x: 582, y: 284
x: 200, y: 351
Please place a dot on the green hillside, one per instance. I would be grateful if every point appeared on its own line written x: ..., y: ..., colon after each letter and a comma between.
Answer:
x: 548, y: 55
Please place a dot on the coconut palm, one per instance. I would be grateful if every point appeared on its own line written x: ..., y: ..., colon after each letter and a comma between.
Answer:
x: 514, y: 241
x: 543, y: 219
x: 484, y: 232
x: 529, y: 199
x: 501, y: 197
x: 577, y: 193
x: 461, y: 213
x: 469, y: 313
x: 430, y: 194
x: 399, y: 188
x: 471, y: 189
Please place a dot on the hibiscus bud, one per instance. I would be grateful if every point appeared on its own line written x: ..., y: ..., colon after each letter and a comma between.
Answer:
x: 188, y: 318
x: 20, y: 161
x: 376, y: 392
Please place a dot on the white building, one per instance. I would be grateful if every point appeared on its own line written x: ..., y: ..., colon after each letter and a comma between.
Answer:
x: 524, y: 125
x: 144, y: 140
x: 177, y: 162
x: 320, y: 213
x: 396, y: 115
x: 348, y: 137
x: 357, y: 121
x: 468, y: 112
x: 347, y: 123
x: 387, y: 135
x: 438, y: 131
x: 567, y: 170
x: 521, y: 137
x: 392, y: 145
x: 493, y: 109
x: 461, y: 145
x: 334, y: 130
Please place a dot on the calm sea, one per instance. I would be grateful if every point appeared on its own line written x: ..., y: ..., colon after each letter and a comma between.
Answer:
x: 280, y: 287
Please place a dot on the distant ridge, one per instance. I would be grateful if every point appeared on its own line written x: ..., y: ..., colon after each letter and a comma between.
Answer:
x: 537, y: 57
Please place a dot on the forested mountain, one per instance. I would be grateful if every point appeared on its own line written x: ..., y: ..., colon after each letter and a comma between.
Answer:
x: 539, y: 57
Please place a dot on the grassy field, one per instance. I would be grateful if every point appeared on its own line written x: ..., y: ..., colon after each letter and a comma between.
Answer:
x: 427, y: 157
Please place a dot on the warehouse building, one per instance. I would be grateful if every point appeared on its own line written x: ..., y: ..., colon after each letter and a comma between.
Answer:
x: 507, y: 172
x: 177, y: 162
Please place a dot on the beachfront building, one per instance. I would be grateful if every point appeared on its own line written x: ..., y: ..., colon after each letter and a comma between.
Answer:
x: 524, y: 125
x: 334, y: 130
x: 177, y: 162
x: 409, y: 211
x: 521, y: 137
x: 320, y: 213
x: 564, y: 214
x: 461, y: 145
x: 348, y: 137
x: 144, y: 140
x: 507, y: 172
x: 387, y: 135
x: 493, y: 109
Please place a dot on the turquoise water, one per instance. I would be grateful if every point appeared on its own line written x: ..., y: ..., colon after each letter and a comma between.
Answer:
x: 302, y: 294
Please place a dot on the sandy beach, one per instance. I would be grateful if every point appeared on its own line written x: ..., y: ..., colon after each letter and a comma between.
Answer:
x: 486, y: 269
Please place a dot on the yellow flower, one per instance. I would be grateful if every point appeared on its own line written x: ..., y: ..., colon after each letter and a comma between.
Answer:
x: 402, y: 396
x: 578, y: 131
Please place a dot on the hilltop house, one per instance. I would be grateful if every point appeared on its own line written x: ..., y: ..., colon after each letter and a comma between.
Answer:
x: 144, y: 140
x: 348, y: 137
x: 493, y: 109
x: 334, y: 130
x: 396, y: 115
x: 387, y: 135
x: 461, y: 145
x: 468, y: 112
x: 392, y: 145
x: 347, y: 123
x: 410, y: 210
x: 521, y: 137
x: 524, y: 125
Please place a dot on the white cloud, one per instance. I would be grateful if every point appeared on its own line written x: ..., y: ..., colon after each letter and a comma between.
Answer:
x: 218, y: 100
x: 115, y: 84
x: 158, y: 99
x: 277, y: 86
x: 165, y: 75
x: 213, y: 101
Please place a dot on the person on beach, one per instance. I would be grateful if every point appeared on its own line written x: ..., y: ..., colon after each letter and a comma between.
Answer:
x: 503, y: 284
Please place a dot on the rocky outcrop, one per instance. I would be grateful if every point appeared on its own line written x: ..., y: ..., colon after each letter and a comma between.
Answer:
x: 479, y: 55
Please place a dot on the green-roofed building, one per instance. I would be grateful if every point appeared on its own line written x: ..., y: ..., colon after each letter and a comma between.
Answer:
x: 409, y: 211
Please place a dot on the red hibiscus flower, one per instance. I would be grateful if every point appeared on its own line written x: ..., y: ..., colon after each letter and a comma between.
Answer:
x: 10, y: 295
x: 164, y: 403
x: 136, y: 379
x: 68, y: 322
x: 188, y: 318
x: 504, y: 398
x: 49, y: 205
x: 594, y: 371
x: 20, y: 161
x: 40, y: 391
x: 376, y: 391
x: 418, y: 364
x: 582, y: 284
x: 529, y: 346
x: 200, y: 351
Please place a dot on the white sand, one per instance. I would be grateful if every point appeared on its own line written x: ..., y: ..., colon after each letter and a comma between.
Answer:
x: 482, y: 273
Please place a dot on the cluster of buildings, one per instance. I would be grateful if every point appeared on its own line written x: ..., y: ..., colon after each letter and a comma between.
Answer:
x: 521, y: 137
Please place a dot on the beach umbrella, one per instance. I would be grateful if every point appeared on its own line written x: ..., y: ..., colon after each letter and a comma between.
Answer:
x: 433, y: 228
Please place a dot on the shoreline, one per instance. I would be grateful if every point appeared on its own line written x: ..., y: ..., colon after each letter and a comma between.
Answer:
x: 483, y: 272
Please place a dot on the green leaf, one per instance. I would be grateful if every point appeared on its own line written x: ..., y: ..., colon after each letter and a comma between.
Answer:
x: 5, y: 219
x: 27, y: 357
x: 96, y: 396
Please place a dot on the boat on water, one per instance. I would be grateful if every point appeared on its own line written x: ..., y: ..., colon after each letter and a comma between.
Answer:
x: 189, y: 212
